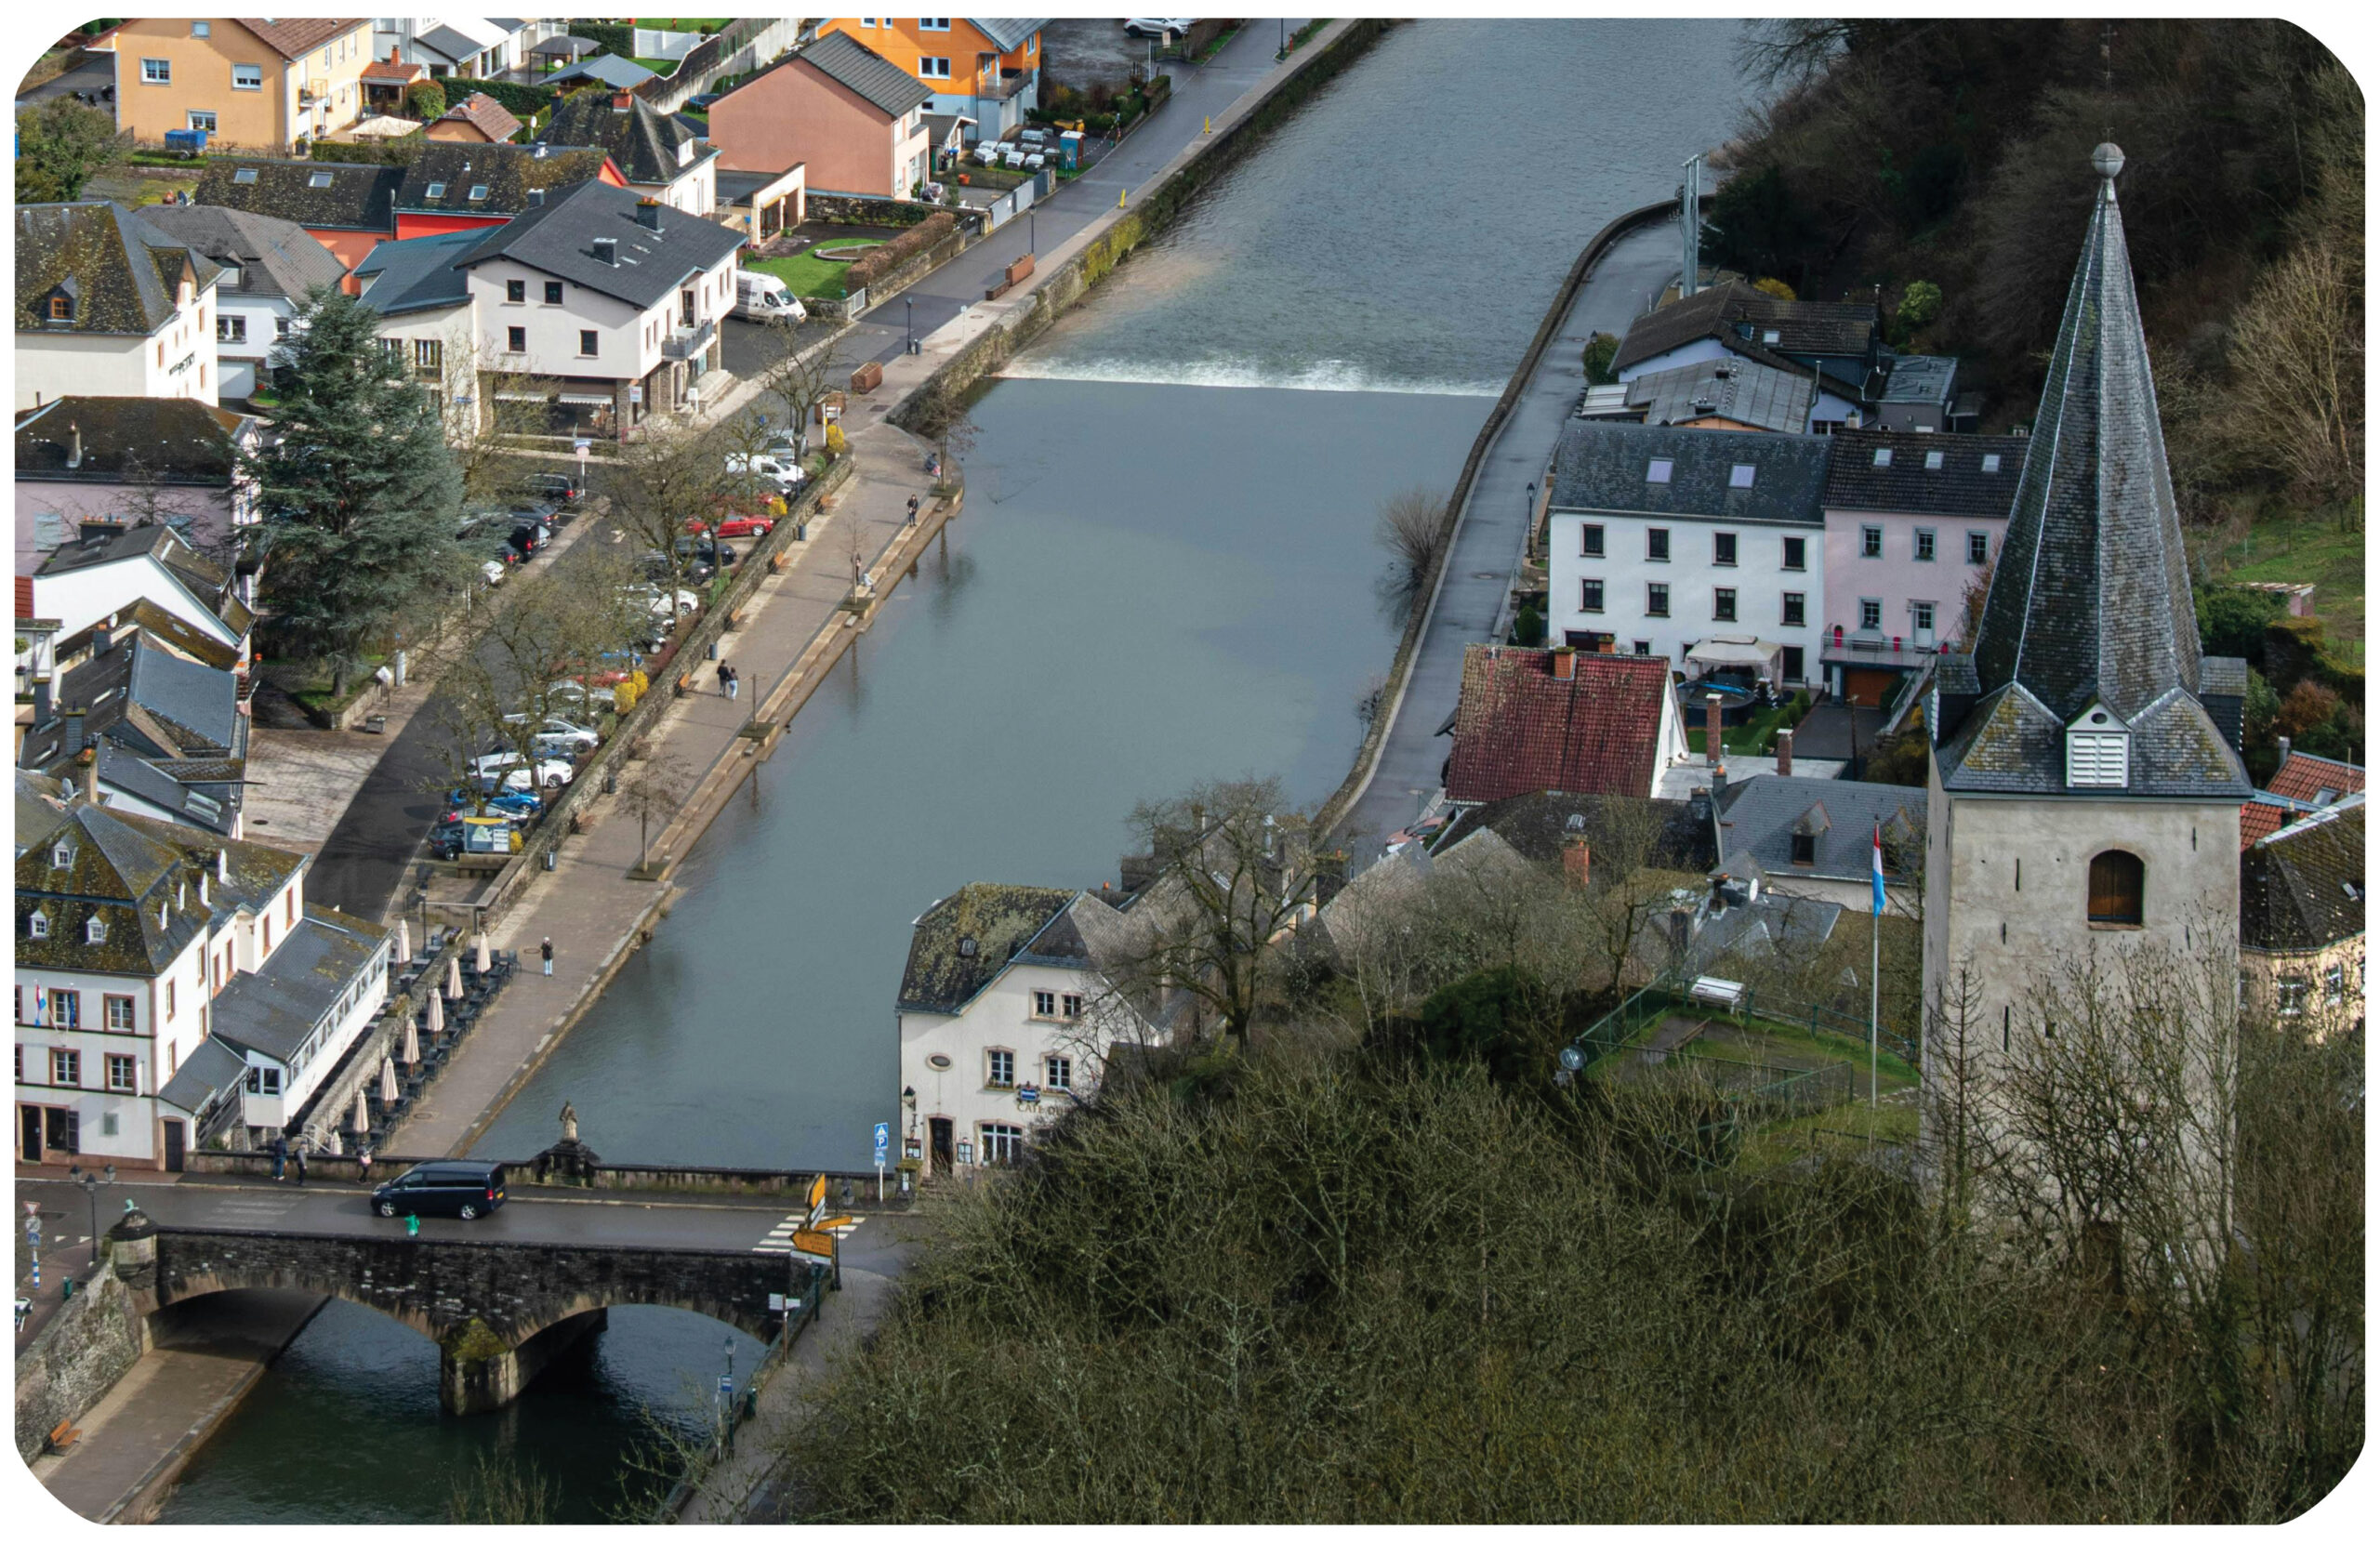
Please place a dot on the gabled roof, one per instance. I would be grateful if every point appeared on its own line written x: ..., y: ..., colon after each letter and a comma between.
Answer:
x: 398, y: 70
x: 853, y: 64
x: 1740, y: 390
x: 1519, y: 730
x: 1760, y: 816
x: 120, y: 271
x: 355, y: 197
x: 294, y: 37
x: 2091, y: 599
x: 123, y: 867
x: 1008, y: 35
x: 2302, y: 886
x: 490, y: 117
x: 610, y: 69
x: 1606, y: 465
x: 559, y: 238
x: 174, y: 440
x: 510, y: 173
x: 643, y: 142
x: 1833, y: 329
x: 272, y: 1010
x: 274, y: 256
x: 1975, y: 477
x: 122, y: 771
x: 1537, y: 826
x: 2306, y: 778
x: 206, y: 583
x: 963, y: 942
x: 400, y: 277
x: 456, y: 42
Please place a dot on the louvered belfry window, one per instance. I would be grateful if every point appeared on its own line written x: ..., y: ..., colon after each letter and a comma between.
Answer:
x: 2117, y: 880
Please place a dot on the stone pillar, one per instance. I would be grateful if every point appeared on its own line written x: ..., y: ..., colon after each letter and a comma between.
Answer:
x: 133, y: 1251
x: 477, y: 1372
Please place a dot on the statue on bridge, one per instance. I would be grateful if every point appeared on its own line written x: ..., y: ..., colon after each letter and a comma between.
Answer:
x: 568, y: 1161
x: 569, y: 1122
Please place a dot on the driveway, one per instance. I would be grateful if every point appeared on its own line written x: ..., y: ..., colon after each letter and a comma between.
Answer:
x: 94, y: 77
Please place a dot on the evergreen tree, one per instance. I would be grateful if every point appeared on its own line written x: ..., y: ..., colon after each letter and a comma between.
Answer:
x: 62, y: 145
x: 357, y: 491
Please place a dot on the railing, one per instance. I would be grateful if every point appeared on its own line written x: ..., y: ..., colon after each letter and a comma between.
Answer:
x: 686, y: 342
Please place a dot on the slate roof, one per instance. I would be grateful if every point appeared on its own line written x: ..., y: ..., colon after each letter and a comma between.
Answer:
x: 174, y: 440
x: 509, y: 171
x: 1958, y: 489
x: 456, y: 47
x: 1921, y: 379
x: 963, y: 942
x: 2090, y: 600
x: 853, y: 64
x: 40, y: 808
x: 2306, y: 778
x: 122, y: 770
x: 1793, y: 925
x: 559, y: 239
x: 1518, y: 730
x: 209, y: 585
x: 294, y: 37
x: 1741, y: 391
x: 1843, y: 329
x: 1379, y: 893
x: 490, y: 117
x: 274, y: 256
x: 1759, y: 816
x: 419, y: 274
x: 1537, y: 825
x: 162, y: 627
x: 358, y: 197
x: 272, y: 1010
x: 120, y: 271
x: 2302, y: 888
x: 1603, y: 466
x: 183, y: 706
x: 641, y: 140
x: 1007, y: 36
x: 124, y: 867
x: 610, y: 69
x: 208, y: 1072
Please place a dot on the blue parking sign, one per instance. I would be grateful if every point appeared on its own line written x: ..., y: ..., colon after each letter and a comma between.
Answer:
x: 883, y: 1137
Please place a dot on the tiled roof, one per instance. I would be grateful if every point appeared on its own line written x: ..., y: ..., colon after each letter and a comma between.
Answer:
x: 2306, y: 777
x: 2302, y: 886
x: 2258, y: 821
x: 1959, y: 487
x: 559, y: 238
x: 1819, y: 328
x: 508, y: 172
x: 1009, y: 36
x: 1537, y: 826
x: 964, y: 940
x: 1518, y: 730
x: 2091, y: 602
x: 851, y: 63
x: 1609, y: 467
x: 124, y: 867
x: 1740, y: 390
x: 420, y: 274
x: 355, y: 197
x: 1761, y: 815
x: 643, y: 142
x: 395, y: 70
x: 174, y: 440
x: 274, y: 256
x: 293, y: 38
x: 119, y: 271
x: 271, y: 1010
x: 491, y: 117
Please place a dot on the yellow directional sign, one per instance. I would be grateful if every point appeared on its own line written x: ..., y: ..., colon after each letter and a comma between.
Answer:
x: 816, y: 1245
x: 817, y: 1191
x: 836, y: 1223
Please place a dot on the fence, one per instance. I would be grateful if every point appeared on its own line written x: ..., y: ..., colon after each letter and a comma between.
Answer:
x: 737, y: 1411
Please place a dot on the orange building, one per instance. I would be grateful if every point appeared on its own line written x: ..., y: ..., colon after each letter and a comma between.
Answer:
x: 987, y: 69
x: 252, y: 84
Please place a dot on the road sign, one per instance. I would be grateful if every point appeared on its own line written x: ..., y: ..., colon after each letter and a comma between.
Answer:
x: 727, y: 1387
x: 776, y: 1302
x: 816, y: 1245
x: 817, y: 1199
x: 883, y: 1138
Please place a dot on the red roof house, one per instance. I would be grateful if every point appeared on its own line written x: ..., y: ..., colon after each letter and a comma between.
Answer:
x: 2305, y: 778
x: 1533, y: 721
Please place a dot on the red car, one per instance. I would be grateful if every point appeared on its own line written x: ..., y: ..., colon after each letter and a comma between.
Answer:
x: 747, y: 524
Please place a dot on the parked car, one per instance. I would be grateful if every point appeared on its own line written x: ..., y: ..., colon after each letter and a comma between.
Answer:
x: 703, y: 550
x: 687, y: 603
x: 446, y: 1187
x: 1158, y: 26
x: 554, y: 487
x: 745, y: 524
x: 765, y: 297
x: 562, y: 730
x: 504, y: 769
x: 785, y: 475
x: 529, y: 537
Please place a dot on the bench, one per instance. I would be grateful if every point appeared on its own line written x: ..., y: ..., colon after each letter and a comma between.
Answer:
x: 65, y: 1436
x: 683, y: 684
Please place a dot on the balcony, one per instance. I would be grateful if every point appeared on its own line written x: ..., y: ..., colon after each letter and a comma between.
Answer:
x: 1879, y: 650
x: 686, y: 342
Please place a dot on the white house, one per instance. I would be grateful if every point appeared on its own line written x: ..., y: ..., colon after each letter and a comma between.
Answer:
x: 1662, y: 540
x: 172, y: 986
x: 616, y: 297
x: 269, y: 267
x: 110, y: 567
x: 661, y: 158
x: 474, y: 47
x: 428, y: 319
x: 108, y: 305
x: 1004, y: 1017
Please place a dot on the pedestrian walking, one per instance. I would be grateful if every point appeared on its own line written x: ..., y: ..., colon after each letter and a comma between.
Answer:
x: 280, y: 1156
x: 913, y: 508
x: 726, y: 679
x: 299, y: 1156
x: 735, y: 685
x: 546, y: 952
x: 364, y: 1164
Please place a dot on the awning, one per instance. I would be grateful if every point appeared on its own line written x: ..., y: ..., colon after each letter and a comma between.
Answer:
x: 521, y: 396
x: 583, y: 399
x: 1733, y: 650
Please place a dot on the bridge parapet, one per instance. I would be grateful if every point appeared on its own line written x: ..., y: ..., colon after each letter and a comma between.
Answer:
x: 656, y: 1178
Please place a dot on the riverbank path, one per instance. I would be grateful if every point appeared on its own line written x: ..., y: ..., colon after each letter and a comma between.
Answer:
x: 1487, y: 544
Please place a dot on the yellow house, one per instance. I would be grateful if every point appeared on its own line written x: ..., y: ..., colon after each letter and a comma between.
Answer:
x: 988, y: 70
x: 253, y: 84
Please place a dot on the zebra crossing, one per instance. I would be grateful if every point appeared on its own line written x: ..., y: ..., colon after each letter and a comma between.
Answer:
x: 780, y: 1238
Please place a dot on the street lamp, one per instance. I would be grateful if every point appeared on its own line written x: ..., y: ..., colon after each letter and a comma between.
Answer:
x: 909, y: 312
x: 1033, y: 232
x: 91, y: 1183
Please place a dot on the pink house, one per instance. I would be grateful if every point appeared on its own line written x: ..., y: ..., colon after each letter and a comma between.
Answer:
x: 856, y: 118
x: 1912, y: 521
x: 119, y: 460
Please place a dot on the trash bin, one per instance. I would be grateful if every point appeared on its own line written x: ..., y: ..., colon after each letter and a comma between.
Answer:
x: 549, y: 860
x: 611, y: 781
x: 714, y: 648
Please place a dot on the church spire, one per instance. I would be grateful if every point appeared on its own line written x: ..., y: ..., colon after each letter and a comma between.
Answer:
x: 2091, y: 596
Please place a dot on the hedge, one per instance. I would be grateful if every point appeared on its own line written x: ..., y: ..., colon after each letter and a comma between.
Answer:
x: 522, y: 102
x: 883, y: 259
x: 607, y: 38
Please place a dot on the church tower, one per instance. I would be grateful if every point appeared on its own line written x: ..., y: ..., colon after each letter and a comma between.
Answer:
x: 2085, y: 780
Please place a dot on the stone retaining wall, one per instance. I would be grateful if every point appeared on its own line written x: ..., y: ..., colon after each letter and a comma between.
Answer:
x: 91, y: 1341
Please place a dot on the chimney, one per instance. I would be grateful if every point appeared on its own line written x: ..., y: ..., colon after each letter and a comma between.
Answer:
x: 71, y: 739
x: 102, y: 637
x: 43, y: 709
x: 1575, y: 857
x: 1718, y: 780
x: 620, y: 101
x: 95, y: 532
x: 606, y: 252
x: 1784, y: 752
x: 223, y: 864
x: 1566, y: 665
x: 2285, y: 747
x: 90, y: 763
x: 648, y: 213
x: 74, y: 446
x: 1711, y: 731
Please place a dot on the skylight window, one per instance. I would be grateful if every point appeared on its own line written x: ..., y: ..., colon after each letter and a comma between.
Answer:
x: 1740, y: 476
x: 319, y: 180
x: 478, y: 192
x: 437, y: 190
x: 243, y: 174
x: 1885, y: 456
x: 1991, y: 462
x: 1658, y: 472
x: 1771, y: 336
x: 1933, y: 460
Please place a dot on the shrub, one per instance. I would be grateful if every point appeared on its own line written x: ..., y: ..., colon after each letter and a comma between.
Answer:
x: 1778, y: 287
x: 1528, y: 628
x: 1601, y: 350
x: 1920, y: 303
x: 607, y: 38
x: 881, y: 261
x: 427, y: 100
x: 522, y: 102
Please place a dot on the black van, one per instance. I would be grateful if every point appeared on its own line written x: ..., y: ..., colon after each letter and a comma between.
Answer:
x: 462, y: 1189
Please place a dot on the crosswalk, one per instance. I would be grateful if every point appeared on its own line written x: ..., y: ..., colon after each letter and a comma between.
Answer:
x: 780, y: 1238
x: 257, y: 1211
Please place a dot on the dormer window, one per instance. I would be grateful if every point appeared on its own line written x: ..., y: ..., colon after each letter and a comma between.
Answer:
x: 95, y: 932
x: 60, y: 309
x: 1806, y: 849
x: 2099, y: 751
x: 61, y: 855
x: 37, y: 925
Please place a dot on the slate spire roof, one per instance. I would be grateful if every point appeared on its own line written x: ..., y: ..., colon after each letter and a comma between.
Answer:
x: 2090, y: 603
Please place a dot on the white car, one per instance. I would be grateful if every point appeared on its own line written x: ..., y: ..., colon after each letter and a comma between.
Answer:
x: 658, y: 604
x: 785, y: 474
x: 502, y: 772
x: 1154, y: 26
x: 559, y: 737
x: 493, y: 571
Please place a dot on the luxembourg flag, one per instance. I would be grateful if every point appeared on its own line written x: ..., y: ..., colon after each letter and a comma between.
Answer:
x: 1876, y: 869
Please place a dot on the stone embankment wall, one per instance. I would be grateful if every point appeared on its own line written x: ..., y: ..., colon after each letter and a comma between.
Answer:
x: 91, y: 1341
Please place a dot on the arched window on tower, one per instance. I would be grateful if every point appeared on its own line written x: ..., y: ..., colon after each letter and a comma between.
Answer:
x: 2117, y: 881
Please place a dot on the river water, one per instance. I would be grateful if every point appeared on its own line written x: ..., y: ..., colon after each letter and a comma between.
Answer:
x: 1164, y: 573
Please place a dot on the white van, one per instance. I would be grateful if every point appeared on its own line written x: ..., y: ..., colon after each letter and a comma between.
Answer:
x: 764, y: 297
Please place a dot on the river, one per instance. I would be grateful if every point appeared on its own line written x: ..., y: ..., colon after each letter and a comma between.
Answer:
x: 1164, y: 573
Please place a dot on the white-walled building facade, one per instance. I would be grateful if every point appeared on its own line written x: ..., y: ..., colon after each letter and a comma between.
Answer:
x: 108, y: 305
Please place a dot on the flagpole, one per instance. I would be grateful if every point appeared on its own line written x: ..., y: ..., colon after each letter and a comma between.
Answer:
x: 1875, y: 930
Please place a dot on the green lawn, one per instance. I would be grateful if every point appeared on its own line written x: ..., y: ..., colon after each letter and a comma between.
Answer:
x: 1757, y: 734
x: 809, y: 276
x: 2307, y: 550
x: 659, y: 66
x: 683, y: 23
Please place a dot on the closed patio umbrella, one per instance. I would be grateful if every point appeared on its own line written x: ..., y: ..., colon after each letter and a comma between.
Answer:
x: 332, y: 1145
x: 388, y: 1081
x: 412, y: 1044
x: 360, y: 1119
x: 453, y: 977
x: 479, y: 957
x: 404, y: 942
x: 437, y: 1014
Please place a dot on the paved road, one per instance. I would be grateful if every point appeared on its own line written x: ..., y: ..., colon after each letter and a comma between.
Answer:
x: 1479, y: 570
x: 94, y: 76
x: 331, y: 1209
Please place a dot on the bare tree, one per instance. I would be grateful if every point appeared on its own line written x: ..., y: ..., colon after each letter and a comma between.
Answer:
x: 1415, y: 528
x: 668, y: 475
x: 654, y: 792
x: 487, y: 411
x: 797, y: 379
